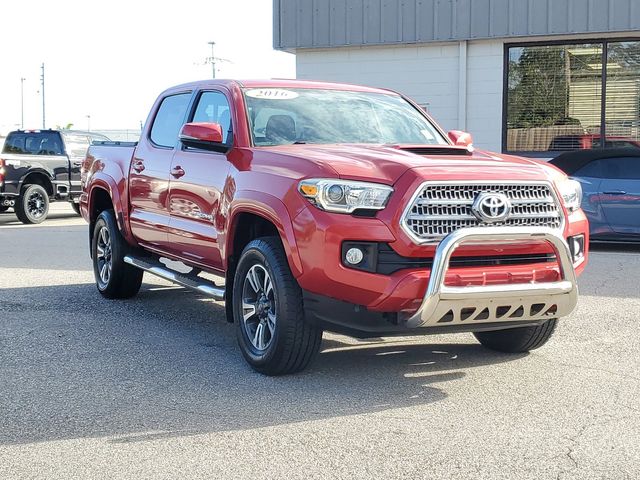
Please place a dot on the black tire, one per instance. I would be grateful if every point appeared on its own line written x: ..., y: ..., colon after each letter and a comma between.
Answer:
x: 123, y: 280
x: 518, y: 340
x: 76, y: 207
x: 292, y: 342
x: 32, y: 206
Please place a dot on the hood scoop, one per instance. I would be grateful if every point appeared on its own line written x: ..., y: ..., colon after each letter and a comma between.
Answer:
x: 437, y: 150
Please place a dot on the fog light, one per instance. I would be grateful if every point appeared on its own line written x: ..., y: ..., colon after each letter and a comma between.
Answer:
x: 354, y: 256
x: 576, y: 246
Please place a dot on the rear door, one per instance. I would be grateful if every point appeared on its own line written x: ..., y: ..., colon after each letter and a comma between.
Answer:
x: 195, y: 192
x: 76, y: 146
x: 620, y: 194
x: 149, y: 172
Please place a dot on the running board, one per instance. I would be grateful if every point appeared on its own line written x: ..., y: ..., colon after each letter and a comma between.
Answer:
x: 189, y: 281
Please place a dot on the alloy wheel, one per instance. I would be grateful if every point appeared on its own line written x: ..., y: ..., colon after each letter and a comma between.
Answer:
x: 104, y: 256
x: 36, y: 205
x: 259, y: 307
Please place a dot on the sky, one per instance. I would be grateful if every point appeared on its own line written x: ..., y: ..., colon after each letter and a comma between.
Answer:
x: 110, y: 59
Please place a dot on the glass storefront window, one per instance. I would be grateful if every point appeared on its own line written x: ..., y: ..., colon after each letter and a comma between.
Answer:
x: 622, y: 109
x: 554, y: 97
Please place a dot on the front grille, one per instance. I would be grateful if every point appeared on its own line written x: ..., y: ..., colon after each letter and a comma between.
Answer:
x: 442, y: 208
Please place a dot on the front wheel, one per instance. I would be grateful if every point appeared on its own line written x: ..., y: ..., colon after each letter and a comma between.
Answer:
x: 114, y: 277
x: 268, y: 311
x: 518, y: 340
x: 75, y: 207
x: 32, y: 206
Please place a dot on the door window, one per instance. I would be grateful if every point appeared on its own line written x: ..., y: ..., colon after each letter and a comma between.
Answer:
x: 213, y: 107
x: 625, y: 168
x: 169, y: 120
x: 592, y: 170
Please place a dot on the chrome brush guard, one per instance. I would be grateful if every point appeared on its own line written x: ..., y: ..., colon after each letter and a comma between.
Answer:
x: 445, y: 305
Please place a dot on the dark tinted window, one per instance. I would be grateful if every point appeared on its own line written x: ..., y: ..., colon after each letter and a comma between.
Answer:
x: 213, y: 107
x: 592, y: 169
x: 169, y: 120
x: 37, y: 143
x: 621, y: 168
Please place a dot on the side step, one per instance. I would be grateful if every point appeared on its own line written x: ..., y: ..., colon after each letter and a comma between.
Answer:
x: 193, y: 282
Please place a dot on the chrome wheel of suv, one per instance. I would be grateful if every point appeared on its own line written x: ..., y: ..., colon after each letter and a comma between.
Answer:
x: 259, y: 307
x: 103, y: 256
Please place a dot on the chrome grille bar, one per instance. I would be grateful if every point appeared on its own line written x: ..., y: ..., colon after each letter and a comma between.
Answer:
x: 440, y: 208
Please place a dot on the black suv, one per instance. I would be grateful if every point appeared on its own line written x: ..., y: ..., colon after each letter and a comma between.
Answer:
x: 40, y: 166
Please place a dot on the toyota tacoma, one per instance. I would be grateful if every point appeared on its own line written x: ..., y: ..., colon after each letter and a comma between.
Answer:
x: 334, y: 207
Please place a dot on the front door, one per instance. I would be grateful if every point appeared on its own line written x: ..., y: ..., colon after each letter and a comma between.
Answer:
x: 620, y: 194
x: 196, y: 186
x: 149, y: 173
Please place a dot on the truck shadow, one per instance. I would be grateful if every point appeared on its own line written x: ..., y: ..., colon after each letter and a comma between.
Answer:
x: 9, y: 218
x: 166, y: 364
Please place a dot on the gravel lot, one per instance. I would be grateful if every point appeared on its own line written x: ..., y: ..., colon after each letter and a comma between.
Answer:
x: 156, y: 388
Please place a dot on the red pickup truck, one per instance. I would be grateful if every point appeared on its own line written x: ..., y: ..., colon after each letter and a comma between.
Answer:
x: 333, y: 207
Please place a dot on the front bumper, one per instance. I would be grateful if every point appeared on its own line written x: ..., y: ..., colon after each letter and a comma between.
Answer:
x: 445, y: 305
x: 320, y: 236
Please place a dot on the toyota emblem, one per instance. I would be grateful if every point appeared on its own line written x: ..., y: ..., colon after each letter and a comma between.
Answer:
x: 491, y: 207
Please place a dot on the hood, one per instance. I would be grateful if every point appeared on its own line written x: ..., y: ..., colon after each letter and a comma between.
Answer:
x: 386, y: 164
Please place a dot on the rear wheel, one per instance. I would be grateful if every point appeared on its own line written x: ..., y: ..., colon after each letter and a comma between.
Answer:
x: 76, y: 207
x: 114, y: 277
x: 32, y: 206
x: 518, y: 340
x: 268, y: 311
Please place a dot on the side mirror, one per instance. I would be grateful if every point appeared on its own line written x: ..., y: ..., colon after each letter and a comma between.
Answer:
x: 460, y: 139
x: 207, y: 136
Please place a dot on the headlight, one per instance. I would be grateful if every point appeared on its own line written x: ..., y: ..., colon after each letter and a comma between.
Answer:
x: 571, y: 192
x: 344, y: 196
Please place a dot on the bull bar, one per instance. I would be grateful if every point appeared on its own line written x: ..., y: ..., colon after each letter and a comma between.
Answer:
x: 448, y: 305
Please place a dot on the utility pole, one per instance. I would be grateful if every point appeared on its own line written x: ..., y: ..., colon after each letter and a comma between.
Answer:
x: 22, y: 79
x: 213, y: 60
x: 42, y: 79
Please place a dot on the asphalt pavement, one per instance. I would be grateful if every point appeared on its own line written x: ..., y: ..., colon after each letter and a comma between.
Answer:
x: 155, y: 387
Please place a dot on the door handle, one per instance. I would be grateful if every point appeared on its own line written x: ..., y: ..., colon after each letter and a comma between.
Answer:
x: 138, y: 166
x: 615, y: 192
x: 77, y: 164
x: 177, y: 172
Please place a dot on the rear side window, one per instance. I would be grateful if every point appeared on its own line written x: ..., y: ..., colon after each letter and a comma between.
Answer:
x: 213, y: 107
x: 36, y: 143
x: 77, y: 145
x: 169, y: 120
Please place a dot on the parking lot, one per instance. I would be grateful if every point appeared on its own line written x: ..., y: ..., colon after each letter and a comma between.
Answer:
x: 155, y: 387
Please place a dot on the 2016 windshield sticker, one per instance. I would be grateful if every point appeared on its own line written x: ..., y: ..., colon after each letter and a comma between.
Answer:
x: 271, y: 93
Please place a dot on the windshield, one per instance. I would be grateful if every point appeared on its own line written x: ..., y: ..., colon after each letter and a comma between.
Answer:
x: 281, y: 116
